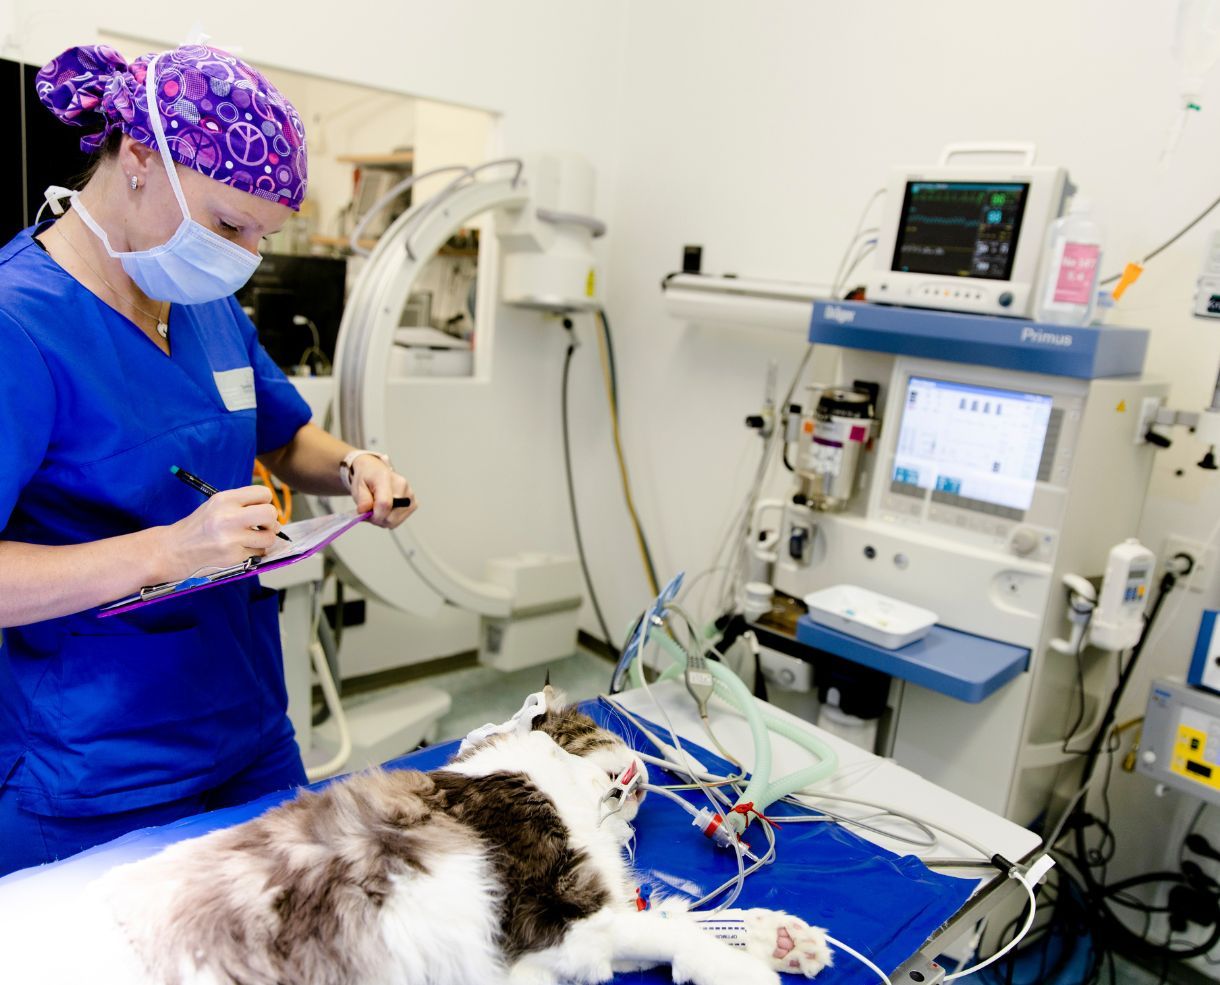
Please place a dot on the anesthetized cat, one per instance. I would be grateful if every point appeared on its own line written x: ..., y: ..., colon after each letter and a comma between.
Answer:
x: 507, y: 865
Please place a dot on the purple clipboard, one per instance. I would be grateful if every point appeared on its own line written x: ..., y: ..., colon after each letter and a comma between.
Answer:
x: 336, y: 527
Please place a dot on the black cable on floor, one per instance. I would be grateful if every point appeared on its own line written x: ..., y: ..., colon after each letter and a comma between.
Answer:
x: 567, y: 467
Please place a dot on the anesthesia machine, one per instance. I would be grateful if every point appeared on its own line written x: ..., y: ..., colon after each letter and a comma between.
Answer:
x: 966, y: 465
x: 956, y: 487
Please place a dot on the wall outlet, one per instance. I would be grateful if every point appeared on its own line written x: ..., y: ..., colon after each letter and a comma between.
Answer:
x: 1147, y: 417
x: 1205, y: 560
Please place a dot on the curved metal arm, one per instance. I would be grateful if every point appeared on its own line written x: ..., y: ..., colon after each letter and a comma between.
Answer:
x: 414, y: 578
x: 443, y: 195
x: 357, y: 233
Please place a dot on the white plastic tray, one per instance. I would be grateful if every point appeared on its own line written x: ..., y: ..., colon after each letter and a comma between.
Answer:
x: 870, y: 616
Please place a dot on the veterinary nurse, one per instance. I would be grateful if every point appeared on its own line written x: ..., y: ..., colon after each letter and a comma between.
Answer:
x: 122, y: 353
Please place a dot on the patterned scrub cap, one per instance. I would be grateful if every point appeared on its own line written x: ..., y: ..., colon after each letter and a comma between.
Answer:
x: 222, y: 118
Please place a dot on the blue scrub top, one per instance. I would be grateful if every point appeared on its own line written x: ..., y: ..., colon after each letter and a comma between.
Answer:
x: 108, y: 715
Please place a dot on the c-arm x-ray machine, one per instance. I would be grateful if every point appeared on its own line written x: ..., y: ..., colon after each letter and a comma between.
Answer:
x: 541, y: 215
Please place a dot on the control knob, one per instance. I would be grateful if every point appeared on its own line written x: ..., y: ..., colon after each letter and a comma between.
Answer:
x: 1024, y: 541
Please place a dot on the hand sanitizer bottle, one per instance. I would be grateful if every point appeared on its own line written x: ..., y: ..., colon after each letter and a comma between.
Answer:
x: 1071, y: 266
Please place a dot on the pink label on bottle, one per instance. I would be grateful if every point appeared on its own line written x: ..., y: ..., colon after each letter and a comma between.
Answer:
x: 1077, y: 268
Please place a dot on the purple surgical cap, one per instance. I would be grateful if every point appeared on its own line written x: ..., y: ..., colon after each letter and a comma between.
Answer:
x: 221, y: 117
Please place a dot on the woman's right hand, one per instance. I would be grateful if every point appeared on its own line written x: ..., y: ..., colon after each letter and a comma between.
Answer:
x: 228, y: 528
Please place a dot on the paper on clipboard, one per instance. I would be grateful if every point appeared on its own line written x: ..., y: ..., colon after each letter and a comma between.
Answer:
x: 308, y: 537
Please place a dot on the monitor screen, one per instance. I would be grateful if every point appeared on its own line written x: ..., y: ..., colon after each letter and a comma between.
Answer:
x: 960, y: 228
x: 973, y: 446
x: 285, y: 286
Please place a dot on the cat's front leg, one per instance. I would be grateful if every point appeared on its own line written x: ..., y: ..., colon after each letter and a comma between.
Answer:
x: 704, y: 961
x: 530, y: 970
x: 582, y: 957
x: 595, y: 948
x: 658, y: 937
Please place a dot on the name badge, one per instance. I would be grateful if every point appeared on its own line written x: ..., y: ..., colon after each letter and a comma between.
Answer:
x: 236, y: 388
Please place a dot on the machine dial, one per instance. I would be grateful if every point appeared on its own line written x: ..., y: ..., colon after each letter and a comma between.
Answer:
x: 1024, y: 541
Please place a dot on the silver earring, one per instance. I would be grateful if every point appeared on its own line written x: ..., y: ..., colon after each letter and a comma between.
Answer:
x: 135, y: 182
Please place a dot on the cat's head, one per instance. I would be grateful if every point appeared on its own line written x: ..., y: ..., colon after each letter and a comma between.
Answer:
x: 578, y: 734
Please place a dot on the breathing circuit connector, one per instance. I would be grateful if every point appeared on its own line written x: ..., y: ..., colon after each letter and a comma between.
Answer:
x: 713, y: 826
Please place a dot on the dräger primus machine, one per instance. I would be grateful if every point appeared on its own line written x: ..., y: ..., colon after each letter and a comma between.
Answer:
x: 965, y: 463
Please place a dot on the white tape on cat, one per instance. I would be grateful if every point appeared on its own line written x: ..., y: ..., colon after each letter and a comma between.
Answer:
x: 520, y: 724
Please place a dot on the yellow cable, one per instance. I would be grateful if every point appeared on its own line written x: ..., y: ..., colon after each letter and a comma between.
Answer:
x: 618, y: 452
x: 283, y: 508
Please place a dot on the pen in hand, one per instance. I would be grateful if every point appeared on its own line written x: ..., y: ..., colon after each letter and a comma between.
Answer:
x: 209, y: 490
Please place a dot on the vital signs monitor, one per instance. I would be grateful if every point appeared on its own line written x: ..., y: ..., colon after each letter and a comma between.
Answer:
x: 965, y: 238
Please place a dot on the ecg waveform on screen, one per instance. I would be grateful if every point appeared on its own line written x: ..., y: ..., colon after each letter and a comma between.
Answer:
x: 965, y: 221
x: 951, y: 194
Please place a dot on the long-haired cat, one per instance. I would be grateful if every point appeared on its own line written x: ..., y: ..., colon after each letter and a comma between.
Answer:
x: 503, y: 866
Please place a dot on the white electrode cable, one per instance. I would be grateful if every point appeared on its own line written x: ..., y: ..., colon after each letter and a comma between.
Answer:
x: 868, y: 248
x: 799, y: 797
x: 857, y: 233
x: 1029, y: 922
x: 906, y: 815
x: 881, y: 975
x: 331, y: 694
x: 707, y: 792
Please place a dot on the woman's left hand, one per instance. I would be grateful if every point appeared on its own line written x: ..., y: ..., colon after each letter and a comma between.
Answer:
x: 375, y: 486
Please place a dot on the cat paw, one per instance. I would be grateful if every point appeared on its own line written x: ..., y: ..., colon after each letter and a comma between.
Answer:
x: 721, y: 965
x: 787, y: 943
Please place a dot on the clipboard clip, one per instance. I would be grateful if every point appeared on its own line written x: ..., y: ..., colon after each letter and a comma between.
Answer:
x: 156, y: 591
x: 169, y: 587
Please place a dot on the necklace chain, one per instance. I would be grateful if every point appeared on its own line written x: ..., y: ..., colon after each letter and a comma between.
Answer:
x: 162, y: 326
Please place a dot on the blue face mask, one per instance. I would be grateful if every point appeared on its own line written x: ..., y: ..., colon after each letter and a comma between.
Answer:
x: 196, y: 264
